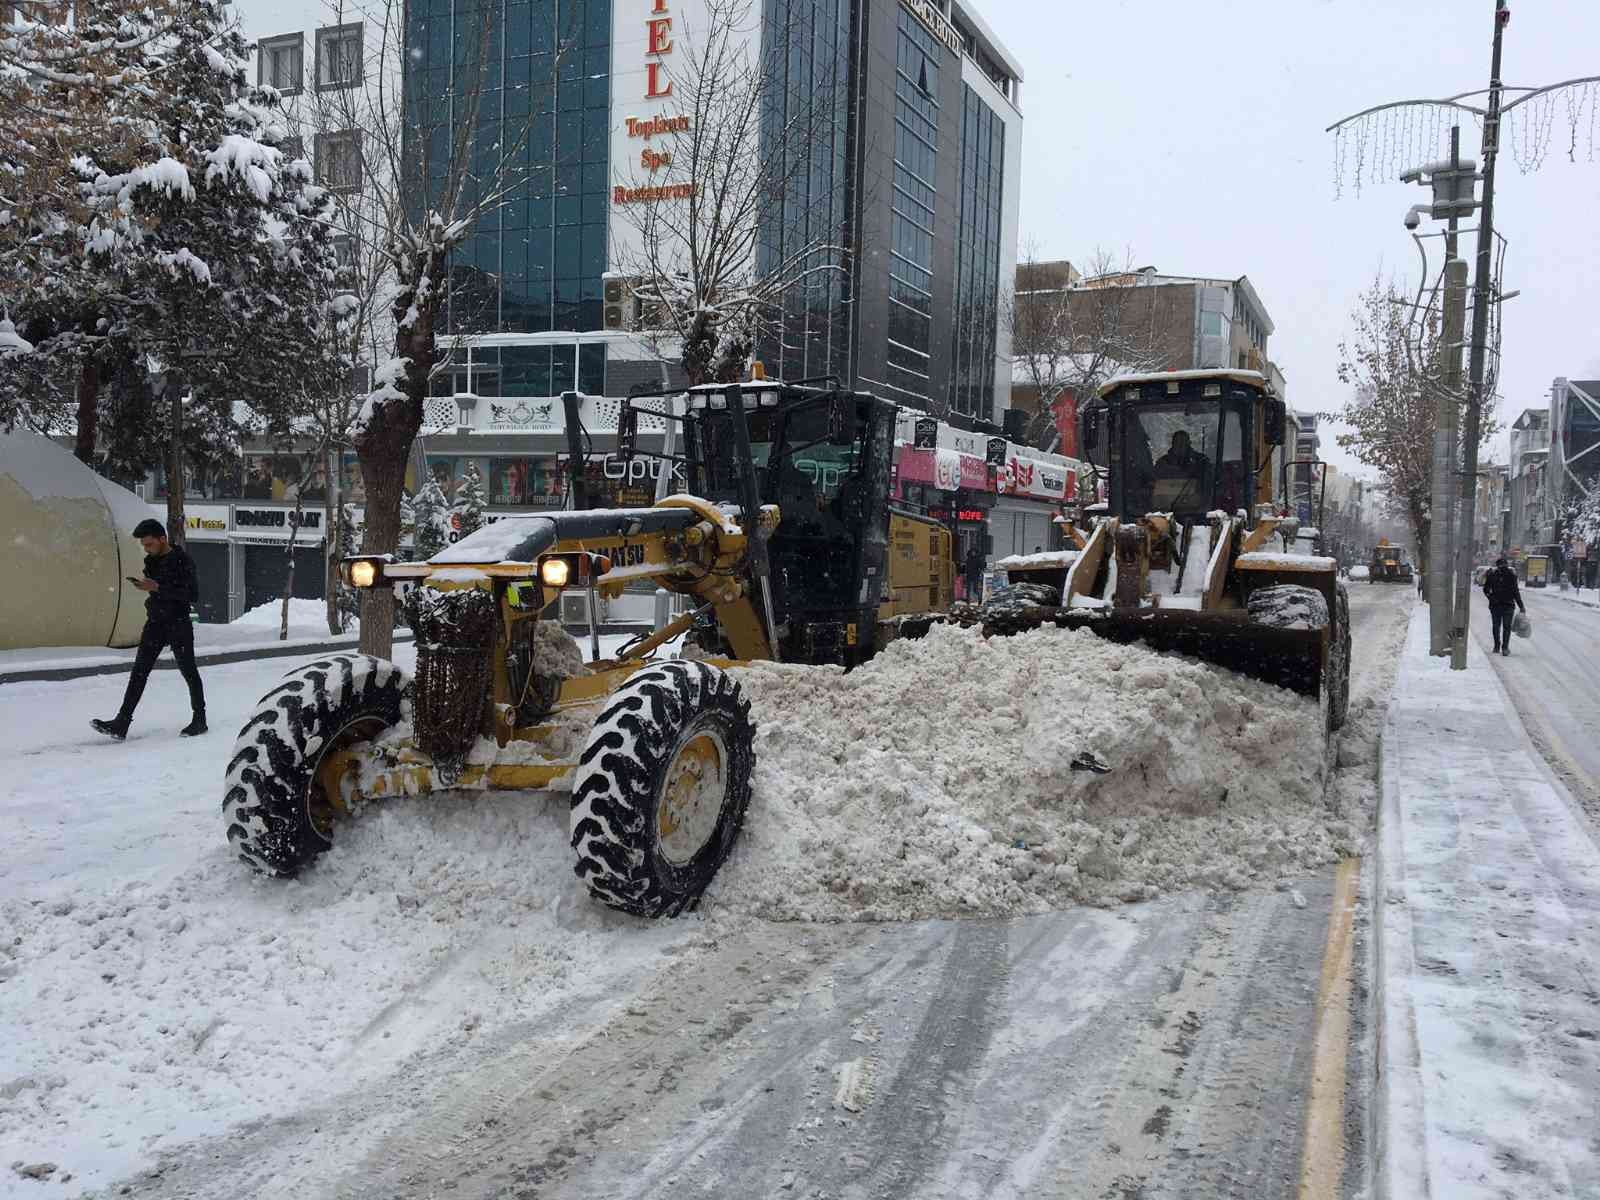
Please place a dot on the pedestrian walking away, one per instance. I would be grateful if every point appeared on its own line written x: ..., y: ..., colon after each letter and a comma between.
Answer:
x: 1505, y: 598
x: 170, y: 588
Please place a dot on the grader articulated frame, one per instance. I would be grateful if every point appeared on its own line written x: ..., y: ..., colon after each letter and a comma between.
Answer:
x: 788, y: 549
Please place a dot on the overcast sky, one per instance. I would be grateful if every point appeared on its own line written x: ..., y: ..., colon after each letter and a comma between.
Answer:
x: 1191, y: 134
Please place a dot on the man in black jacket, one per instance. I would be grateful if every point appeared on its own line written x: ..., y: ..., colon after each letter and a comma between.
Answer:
x: 1500, y: 587
x: 170, y: 587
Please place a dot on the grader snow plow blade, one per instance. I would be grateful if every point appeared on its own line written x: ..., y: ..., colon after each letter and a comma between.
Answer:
x: 1288, y: 658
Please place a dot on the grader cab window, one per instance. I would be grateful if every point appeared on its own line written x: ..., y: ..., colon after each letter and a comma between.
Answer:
x: 1184, y: 457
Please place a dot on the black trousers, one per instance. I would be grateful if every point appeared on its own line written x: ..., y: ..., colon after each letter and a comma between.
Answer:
x: 159, y: 634
x: 1501, y: 615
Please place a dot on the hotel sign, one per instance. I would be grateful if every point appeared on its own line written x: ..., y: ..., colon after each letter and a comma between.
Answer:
x: 924, y: 11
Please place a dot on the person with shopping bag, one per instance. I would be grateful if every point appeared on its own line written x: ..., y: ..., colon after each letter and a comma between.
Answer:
x: 1505, y: 598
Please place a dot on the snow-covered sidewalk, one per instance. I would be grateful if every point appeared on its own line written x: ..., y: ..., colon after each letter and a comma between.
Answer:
x: 1488, y: 904
x: 1588, y: 597
x: 254, y: 635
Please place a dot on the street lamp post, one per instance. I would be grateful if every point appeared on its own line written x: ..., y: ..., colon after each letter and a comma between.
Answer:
x: 1481, y: 285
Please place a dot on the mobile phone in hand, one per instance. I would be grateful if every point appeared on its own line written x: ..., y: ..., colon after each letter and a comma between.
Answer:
x: 131, y: 579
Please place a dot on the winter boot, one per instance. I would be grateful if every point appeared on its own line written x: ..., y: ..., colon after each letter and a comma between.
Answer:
x: 117, y: 727
x: 195, y: 727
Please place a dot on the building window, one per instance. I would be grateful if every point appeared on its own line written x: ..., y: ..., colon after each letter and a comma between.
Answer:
x: 338, y: 56
x: 977, y: 283
x: 339, y: 160
x: 344, y: 250
x: 278, y: 63
x: 911, y: 224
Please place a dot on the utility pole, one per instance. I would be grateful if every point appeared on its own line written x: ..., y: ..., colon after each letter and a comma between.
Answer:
x: 1447, y: 410
x: 1442, y: 545
x: 1366, y: 139
x: 1482, y: 284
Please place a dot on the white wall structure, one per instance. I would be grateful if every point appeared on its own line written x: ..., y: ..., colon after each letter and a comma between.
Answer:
x: 68, y: 536
x: 652, y: 44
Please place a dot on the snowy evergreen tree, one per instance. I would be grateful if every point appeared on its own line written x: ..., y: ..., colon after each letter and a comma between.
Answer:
x: 346, y: 601
x: 430, y: 514
x: 196, y: 254
x: 466, y: 514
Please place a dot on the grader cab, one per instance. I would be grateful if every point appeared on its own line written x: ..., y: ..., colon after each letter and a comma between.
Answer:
x: 787, y: 548
x: 1192, y: 552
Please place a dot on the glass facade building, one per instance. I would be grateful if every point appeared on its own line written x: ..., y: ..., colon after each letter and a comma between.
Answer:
x: 911, y: 226
x: 977, y: 283
x: 533, y: 81
x: 806, y: 44
x: 887, y: 130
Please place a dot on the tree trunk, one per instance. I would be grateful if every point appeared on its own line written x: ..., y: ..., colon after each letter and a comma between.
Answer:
x: 333, y: 522
x: 288, y: 583
x: 88, y: 412
x: 383, y: 447
x: 332, y: 532
x: 175, y: 458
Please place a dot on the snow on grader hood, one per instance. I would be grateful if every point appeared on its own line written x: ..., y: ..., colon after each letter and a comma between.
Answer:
x: 657, y: 755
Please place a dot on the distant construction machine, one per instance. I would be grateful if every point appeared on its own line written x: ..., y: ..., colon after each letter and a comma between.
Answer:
x: 1390, y: 564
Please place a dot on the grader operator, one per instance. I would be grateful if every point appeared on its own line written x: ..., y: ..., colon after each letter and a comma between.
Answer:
x: 787, y: 548
x: 1186, y: 554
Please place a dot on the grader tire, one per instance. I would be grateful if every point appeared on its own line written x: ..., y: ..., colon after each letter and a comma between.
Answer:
x: 276, y: 817
x: 661, y: 788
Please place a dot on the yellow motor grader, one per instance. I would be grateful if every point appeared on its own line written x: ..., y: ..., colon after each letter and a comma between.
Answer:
x: 1190, y: 552
x: 788, y: 547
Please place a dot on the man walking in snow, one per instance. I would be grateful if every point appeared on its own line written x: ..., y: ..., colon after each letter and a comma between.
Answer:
x: 170, y: 587
x: 1500, y: 588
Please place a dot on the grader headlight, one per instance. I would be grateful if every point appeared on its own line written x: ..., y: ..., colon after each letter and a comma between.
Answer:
x: 554, y: 572
x: 363, y: 572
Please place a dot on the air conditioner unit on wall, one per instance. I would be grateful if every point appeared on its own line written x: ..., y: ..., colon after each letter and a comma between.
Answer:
x: 623, y: 307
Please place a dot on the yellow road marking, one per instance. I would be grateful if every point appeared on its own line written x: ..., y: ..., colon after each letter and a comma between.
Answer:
x: 1322, y: 1158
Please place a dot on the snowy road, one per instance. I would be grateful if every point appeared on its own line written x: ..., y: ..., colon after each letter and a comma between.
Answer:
x: 1553, y: 680
x: 438, y: 1010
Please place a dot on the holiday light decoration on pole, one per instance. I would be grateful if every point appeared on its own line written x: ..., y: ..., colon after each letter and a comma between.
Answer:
x: 1384, y: 136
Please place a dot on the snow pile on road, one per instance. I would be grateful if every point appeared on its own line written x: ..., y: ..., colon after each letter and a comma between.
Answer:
x: 302, y: 613
x: 957, y: 776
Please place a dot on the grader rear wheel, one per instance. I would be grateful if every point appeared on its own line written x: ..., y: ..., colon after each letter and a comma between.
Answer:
x: 661, y: 788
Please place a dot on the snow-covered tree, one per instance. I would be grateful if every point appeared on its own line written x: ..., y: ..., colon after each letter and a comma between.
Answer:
x: 1582, y: 517
x: 432, y: 182
x: 67, y: 88
x: 344, y: 604
x: 466, y: 514
x: 430, y: 516
x: 1070, y: 333
x: 1394, y: 370
x: 195, y: 253
x: 697, y: 228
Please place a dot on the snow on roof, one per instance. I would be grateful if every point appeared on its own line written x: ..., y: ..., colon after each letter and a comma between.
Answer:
x: 1266, y: 560
x: 1254, y: 378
